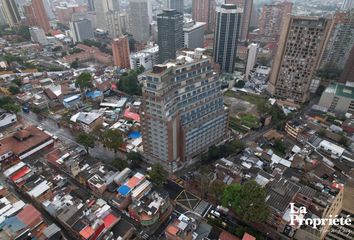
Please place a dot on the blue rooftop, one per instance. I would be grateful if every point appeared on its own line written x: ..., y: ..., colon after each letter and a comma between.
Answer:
x: 94, y: 94
x: 134, y: 135
x: 124, y: 190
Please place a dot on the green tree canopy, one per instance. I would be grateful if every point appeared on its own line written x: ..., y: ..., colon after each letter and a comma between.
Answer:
x: 83, y: 81
x: 134, y: 158
x: 14, y: 90
x: 86, y: 140
x: 129, y: 84
x: 74, y: 64
x: 247, y: 200
x: 119, y: 163
x: 112, y: 139
x: 240, y: 84
x: 8, y: 104
x: 158, y: 175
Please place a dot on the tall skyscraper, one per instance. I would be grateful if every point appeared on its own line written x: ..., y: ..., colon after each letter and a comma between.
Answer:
x: 340, y: 40
x: 204, y: 11
x: 91, y: 5
x: 10, y: 12
x: 81, y: 30
x: 120, y: 48
x: 228, y: 18
x: 102, y: 7
x: 247, y: 6
x: 251, y: 58
x: 348, y: 71
x: 36, y: 15
x: 298, y: 56
x: 273, y: 17
x: 113, y: 23
x: 140, y: 17
x: 183, y: 110
x: 348, y: 5
x: 170, y: 34
x: 176, y: 4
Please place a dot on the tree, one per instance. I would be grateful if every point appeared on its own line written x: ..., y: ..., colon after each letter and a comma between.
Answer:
x: 14, y: 90
x: 158, y: 175
x: 240, y: 84
x: 8, y: 104
x: 216, y: 189
x: 112, y: 139
x: 83, y: 81
x: 247, y: 201
x: 279, y: 146
x: 17, y: 82
x: 74, y: 64
x: 129, y: 84
x: 86, y: 140
x: 120, y: 164
x: 140, y: 69
x: 134, y: 158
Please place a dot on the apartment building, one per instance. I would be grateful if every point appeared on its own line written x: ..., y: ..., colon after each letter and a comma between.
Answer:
x: 183, y: 110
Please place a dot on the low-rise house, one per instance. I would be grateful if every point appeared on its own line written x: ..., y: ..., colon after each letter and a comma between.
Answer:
x: 188, y: 226
x: 87, y: 121
x: 338, y: 98
x: 7, y: 118
x: 149, y: 208
x: 25, y: 143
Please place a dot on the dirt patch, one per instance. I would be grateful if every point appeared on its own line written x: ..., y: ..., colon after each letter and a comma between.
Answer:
x: 239, y: 106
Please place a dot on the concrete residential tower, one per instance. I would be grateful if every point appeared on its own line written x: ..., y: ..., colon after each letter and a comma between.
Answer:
x: 183, y: 108
x: 340, y: 40
x: 140, y: 17
x: 81, y: 30
x: 228, y: 18
x: 298, y: 56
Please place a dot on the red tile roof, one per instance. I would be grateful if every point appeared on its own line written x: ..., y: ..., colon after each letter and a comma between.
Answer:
x: 131, y: 115
x: 227, y: 236
x: 247, y: 236
x: 20, y: 173
x: 87, y: 232
x: 30, y: 216
x: 23, y: 141
x: 110, y: 220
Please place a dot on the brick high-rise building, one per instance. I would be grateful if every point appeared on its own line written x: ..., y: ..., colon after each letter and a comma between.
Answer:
x: 204, y: 11
x: 120, y: 49
x: 247, y: 6
x: 183, y: 110
x: 36, y: 15
x: 298, y: 56
x: 340, y: 40
x: 228, y: 18
x: 273, y: 17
